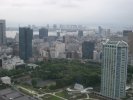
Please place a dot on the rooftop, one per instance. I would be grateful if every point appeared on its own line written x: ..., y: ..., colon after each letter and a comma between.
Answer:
x: 116, y: 43
x: 8, y: 94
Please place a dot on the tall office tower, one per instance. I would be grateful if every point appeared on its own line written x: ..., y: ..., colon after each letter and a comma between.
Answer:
x: 80, y: 33
x: 43, y: 33
x: 54, y: 26
x: 128, y: 37
x: 108, y: 31
x: 58, y: 34
x: 100, y: 30
x: 25, y: 43
x: 87, y: 49
x: 47, y: 26
x: 114, y: 69
x: 125, y: 32
x: 130, y: 43
x: 2, y: 32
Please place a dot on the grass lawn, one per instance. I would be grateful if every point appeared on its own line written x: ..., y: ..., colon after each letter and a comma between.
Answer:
x: 63, y: 94
x: 25, y: 92
x: 26, y: 86
x: 50, y: 97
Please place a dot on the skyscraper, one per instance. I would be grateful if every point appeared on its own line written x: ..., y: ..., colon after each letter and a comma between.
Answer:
x: 80, y: 33
x: 130, y: 43
x: 100, y: 30
x: 87, y: 49
x: 114, y: 69
x: 43, y: 32
x: 25, y: 43
x: 58, y: 34
x: 128, y: 37
x: 125, y: 32
x: 2, y: 32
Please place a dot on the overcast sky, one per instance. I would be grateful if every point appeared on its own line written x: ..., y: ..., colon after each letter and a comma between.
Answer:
x: 41, y: 12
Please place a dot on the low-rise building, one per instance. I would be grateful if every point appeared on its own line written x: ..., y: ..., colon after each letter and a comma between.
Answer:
x: 10, y: 94
x: 32, y: 65
x: 12, y: 63
x: 56, y: 49
x: 96, y: 56
x: 6, y: 80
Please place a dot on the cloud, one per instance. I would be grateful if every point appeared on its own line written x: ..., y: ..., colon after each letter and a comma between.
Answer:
x: 69, y: 4
x: 67, y: 11
x: 50, y: 2
x: 40, y: 3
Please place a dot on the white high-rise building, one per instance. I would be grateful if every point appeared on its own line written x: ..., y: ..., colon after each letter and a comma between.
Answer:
x: 114, y: 69
x: 2, y: 32
x: 57, y: 50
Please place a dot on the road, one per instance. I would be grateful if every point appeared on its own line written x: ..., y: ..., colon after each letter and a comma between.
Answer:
x: 41, y: 95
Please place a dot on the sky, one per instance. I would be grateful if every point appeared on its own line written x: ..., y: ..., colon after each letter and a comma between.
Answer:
x: 88, y: 12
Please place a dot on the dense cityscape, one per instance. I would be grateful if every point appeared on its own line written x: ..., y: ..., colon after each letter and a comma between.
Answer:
x: 66, y: 50
x: 65, y: 62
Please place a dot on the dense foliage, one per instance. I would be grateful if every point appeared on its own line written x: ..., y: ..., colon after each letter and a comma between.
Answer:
x: 68, y: 72
x: 34, y: 82
x: 64, y: 72
x: 129, y: 74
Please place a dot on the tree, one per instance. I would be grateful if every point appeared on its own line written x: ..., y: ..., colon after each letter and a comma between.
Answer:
x: 34, y: 82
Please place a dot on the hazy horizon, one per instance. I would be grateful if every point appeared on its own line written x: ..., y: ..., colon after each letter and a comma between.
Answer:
x: 41, y: 12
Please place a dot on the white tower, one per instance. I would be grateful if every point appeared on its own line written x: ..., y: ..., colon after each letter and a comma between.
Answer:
x: 114, y: 69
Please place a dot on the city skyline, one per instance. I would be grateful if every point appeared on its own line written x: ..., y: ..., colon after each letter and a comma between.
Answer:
x: 92, y: 12
x: 66, y: 49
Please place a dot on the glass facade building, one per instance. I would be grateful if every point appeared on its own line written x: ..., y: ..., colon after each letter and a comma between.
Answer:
x: 87, y: 49
x: 43, y: 33
x: 114, y: 69
x: 25, y: 43
x: 2, y: 32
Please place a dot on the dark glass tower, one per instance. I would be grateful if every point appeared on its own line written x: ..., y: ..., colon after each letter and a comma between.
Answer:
x: 2, y: 32
x: 87, y: 49
x: 25, y: 43
x: 80, y: 33
x: 43, y: 32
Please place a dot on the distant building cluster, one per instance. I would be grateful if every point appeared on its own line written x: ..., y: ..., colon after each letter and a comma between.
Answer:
x: 114, y: 50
